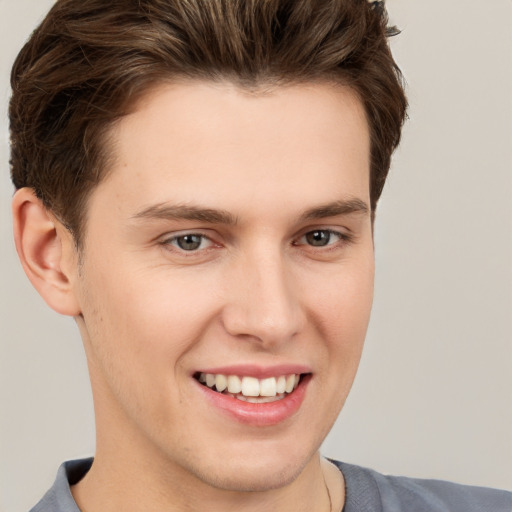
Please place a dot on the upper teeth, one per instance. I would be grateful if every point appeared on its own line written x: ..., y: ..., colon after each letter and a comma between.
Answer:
x: 251, y: 386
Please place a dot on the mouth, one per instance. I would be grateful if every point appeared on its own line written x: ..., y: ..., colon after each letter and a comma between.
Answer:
x: 251, y: 389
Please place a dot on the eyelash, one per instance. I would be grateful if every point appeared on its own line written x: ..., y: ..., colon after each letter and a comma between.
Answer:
x: 173, y: 241
x: 343, y: 239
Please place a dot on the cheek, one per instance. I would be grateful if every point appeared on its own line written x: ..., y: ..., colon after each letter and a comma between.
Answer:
x: 342, y: 312
x: 344, y: 304
x: 132, y: 324
x: 146, y: 317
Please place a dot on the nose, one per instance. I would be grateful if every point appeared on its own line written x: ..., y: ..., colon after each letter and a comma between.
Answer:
x: 263, y: 301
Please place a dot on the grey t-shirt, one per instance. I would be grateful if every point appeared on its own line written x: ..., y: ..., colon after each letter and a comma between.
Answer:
x: 366, y: 491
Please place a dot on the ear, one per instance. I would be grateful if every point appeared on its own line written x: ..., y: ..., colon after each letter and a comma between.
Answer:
x: 46, y: 251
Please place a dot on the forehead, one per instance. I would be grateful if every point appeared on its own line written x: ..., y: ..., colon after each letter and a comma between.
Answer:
x: 224, y: 146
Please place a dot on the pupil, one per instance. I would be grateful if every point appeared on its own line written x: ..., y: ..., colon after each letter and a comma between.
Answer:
x: 318, y: 238
x: 189, y: 242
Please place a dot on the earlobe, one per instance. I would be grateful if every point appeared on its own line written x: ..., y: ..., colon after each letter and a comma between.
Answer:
x: 46, y: 252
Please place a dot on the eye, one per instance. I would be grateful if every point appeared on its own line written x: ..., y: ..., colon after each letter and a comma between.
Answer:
x: 321, y: 238
x: 189, y: 242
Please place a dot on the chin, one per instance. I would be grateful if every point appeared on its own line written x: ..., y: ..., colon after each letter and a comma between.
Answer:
x: 248, y: 477
x: 258, y: 467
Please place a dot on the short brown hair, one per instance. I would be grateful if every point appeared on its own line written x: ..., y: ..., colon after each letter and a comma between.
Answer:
x: 90, y: 60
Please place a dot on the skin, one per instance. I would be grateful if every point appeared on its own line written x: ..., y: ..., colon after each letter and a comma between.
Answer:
x: 254, y: 292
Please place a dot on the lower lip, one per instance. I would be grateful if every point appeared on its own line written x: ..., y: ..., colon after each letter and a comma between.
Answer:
x: 259, y: 415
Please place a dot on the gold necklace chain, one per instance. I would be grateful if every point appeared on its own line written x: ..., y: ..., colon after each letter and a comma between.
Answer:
x: 328, y: 493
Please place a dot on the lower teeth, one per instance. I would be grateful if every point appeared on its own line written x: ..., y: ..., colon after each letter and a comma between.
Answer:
x: 258, y: 399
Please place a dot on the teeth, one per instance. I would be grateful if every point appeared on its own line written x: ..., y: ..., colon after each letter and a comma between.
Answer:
x: 281, y: 384
x: 250, y: 386
x: 259, y: 400
x: 268, y: 387
x: 290, y: 383
x: 234, y: 384
x: 221, y: 382
x: 251, y: 389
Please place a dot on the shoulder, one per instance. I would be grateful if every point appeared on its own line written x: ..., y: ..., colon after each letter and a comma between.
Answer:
x: 59, y: 497
x: 374, y: 492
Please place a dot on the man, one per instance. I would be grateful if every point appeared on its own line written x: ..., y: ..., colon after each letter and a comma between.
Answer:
x: 197, y: 183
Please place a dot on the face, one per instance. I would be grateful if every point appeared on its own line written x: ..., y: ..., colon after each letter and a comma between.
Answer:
x: 231, y: 242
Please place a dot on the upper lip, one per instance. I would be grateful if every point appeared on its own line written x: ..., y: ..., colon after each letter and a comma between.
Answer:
x: 258, y: 371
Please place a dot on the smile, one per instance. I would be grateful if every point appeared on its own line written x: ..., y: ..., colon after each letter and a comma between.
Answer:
x: 251, y: 389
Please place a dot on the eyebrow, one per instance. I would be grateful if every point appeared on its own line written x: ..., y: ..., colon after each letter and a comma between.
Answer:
x: 342, y: 207
x: 213, y: 216
x: 186, y: 212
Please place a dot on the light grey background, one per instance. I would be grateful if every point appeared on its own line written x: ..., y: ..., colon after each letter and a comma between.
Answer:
x: 433, y: 397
